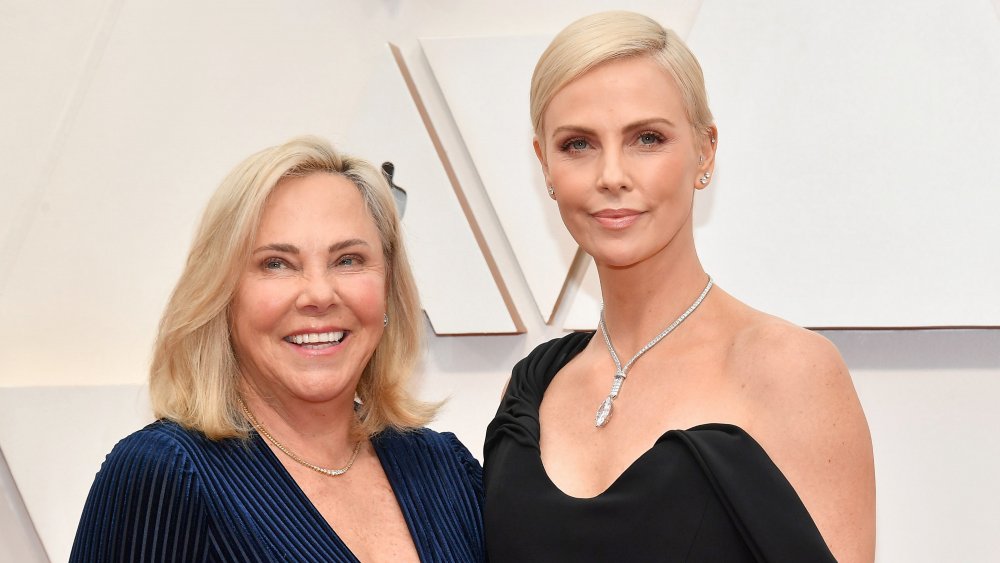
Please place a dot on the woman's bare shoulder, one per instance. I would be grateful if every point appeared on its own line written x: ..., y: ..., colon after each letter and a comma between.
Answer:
x: 805, y: 413
x: 768, y: 351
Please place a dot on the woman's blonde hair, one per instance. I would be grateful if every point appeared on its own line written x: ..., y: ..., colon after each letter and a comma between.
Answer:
x: 194, y: 377
x: 608, y: 36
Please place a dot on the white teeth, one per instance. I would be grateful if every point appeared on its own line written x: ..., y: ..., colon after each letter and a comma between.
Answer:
x: 316, y: 337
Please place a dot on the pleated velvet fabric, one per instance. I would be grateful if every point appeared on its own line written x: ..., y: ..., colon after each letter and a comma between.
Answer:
x: 166, y: 493
x: 706, y: 494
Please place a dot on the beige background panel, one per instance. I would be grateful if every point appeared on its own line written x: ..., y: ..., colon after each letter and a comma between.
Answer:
x: 172, y: 107
x: 55, y: 439
x: 52, y: 49
x: 937, y: 458
x: 857, y: 159
x: 457, y: 290
x: 485, y: 82
x: 930, y: 399
x: 584, y: 309
x: 20, y: 539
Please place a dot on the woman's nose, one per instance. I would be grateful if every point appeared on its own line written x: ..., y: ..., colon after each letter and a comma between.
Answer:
x: 318, y: 292
x: 613, y: 175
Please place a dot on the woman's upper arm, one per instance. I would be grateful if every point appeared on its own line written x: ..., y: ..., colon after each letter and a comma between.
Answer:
x: 145, y: 504
x: 812, y: 425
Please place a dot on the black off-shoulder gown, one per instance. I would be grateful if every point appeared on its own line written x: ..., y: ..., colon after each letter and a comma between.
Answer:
x: 709, y: 493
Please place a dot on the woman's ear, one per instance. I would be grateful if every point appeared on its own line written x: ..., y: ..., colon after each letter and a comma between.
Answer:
x: 540, y: 153
x: 709, y: 143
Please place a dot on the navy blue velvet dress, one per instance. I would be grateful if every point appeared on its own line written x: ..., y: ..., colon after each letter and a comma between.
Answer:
x: 169, y: 494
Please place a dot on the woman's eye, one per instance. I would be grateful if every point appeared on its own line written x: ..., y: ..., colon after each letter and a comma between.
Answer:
x: 649, y: 139
x: 349, y: 261
x: 274, y: 264
x: 575, y: 145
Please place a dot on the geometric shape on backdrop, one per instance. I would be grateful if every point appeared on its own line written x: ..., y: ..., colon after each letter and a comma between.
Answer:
x: 855, y: 187
x: 18, y: 539
x: 585, y: 310
x: 458, y: 289
x: 53, y: 465
x: 485, y: 82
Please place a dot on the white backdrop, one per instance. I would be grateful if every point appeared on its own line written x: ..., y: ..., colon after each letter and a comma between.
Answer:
x: 121, y: 116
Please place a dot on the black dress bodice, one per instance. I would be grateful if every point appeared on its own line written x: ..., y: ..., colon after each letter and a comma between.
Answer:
x: 709, y: 493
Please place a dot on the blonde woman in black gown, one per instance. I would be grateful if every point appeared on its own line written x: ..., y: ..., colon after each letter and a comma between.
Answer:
x: 689, y: 427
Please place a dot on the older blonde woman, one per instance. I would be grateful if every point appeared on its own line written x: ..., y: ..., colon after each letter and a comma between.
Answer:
x: 286, y: 431
x: 693, y: 427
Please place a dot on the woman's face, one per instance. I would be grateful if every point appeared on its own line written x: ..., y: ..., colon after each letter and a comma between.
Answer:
x: 307, y: 314
x: 623, y: 160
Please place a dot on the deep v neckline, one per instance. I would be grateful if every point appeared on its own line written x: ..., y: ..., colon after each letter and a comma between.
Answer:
x: 391, y: 476
x: 579, y: 347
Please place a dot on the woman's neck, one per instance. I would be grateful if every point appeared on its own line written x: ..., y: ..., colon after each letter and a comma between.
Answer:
x: 643, y: 299
x: 311, y: 430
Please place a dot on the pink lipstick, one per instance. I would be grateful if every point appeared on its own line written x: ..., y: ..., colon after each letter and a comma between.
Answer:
x: 616, y: 219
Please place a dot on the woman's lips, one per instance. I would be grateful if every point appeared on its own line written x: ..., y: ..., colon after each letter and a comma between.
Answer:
x: 316, y: 342
x: 616, y: 218
x: 316, y: 337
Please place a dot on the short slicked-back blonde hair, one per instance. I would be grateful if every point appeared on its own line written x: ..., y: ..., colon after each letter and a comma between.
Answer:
x: 599, y: 38
x: 194, y: 377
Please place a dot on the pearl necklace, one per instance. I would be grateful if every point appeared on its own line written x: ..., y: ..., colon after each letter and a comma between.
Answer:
x: 604, y: 411
x: 325, y: 471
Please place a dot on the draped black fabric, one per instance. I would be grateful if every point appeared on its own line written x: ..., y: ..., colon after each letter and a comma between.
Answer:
x: 169, y: 494
x: 709, y: 493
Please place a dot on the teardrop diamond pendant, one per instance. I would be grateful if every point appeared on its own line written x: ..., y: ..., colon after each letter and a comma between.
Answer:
x: 604, y: 412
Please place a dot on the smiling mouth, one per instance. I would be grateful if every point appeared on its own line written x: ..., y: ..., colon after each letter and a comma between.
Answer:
x: 316, y: 340
x: 616, y: 219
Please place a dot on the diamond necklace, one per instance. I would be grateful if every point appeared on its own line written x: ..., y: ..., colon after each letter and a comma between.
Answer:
x: 263, y: 432
x: 604, y: 411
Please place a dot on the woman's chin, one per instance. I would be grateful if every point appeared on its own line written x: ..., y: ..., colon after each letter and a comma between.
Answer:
x: 616, y: 258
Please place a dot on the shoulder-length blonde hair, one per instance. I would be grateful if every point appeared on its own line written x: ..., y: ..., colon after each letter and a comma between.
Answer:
x: 607, y: 36
x: 194, y: 377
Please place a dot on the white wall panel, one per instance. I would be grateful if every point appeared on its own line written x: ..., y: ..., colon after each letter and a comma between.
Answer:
x: 174, y: 104
x: 857, y: 179
x: 485, y: 82
x: 936, y: 461
x: 20, y: 540
x: 584, y: 310
x: 457, y: 289
x: 55, y: 439
x: 52, y: 49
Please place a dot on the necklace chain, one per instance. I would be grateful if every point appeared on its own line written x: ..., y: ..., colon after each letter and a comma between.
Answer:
x: 325, y: 471
x: 621, y: 372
